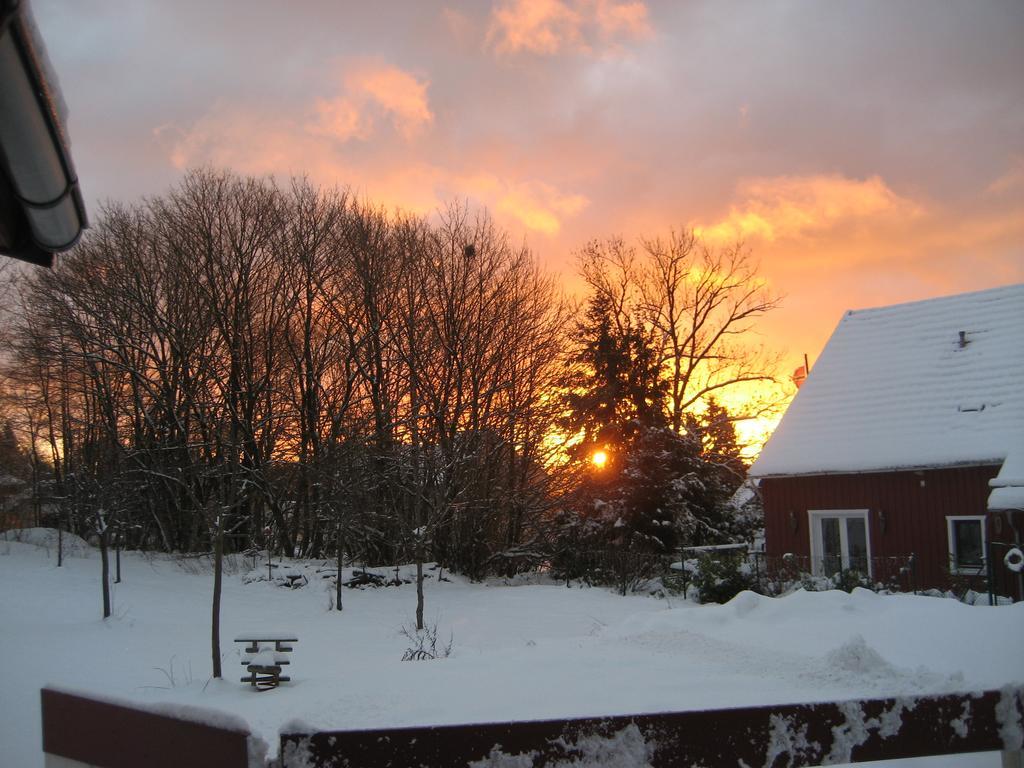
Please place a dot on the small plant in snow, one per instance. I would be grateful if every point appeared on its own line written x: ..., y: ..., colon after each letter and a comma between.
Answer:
x: 172, y: 677
x: 424, y: 644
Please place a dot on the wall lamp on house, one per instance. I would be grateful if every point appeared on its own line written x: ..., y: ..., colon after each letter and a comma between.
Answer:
x: 794, y: 522
x: 41, y: 207
x: 883, y: 524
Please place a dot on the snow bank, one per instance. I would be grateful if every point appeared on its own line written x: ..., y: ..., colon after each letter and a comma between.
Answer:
x: 858, y: 657
x: 47, y: 538
x: 532, y: 652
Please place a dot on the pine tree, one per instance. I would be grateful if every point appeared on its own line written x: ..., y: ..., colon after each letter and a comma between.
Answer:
x: 659, y: 488
x: 14, y: 462
x: 668, y: 495
x: 613, y: 388
x: 715, y: 430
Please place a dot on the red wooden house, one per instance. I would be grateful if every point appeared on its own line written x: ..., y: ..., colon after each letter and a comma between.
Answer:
x: 893, y: 445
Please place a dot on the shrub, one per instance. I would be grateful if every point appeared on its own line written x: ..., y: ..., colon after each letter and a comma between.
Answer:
x: 719, y: 578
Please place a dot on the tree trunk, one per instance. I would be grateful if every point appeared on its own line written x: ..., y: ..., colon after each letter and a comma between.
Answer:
x: 105, y: 571
x: 337, y: 584
x: 419, y: 587
x: 218, y: 557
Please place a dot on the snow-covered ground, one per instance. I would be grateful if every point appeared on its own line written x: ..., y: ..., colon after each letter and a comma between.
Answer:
x: 520, y: 652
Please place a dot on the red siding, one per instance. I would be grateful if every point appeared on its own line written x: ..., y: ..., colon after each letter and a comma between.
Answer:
x: 914, y: 504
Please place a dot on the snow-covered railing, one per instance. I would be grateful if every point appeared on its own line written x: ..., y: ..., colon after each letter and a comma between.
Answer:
x: 788, y: 735
x: 739, y: 547
x: 773, y: 573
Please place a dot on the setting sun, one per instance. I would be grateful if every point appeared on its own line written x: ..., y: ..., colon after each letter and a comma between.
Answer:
x: 600, y: 458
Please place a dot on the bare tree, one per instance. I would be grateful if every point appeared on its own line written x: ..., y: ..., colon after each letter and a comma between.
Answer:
x: 233, y: 354
x: 230, y: 226
x: 702, y: 301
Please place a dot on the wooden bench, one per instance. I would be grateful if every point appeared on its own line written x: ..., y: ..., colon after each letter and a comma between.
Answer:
x: 264, y: 664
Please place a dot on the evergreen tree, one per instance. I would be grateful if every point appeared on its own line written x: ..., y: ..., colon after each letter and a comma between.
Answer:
x: 613, y: 387
x: 659, y: 489
x: 715, y: 430
x: 14, y: 461
x: 668, y: 495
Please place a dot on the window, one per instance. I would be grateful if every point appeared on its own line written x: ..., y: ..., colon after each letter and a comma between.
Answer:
x: 966, y: 543
x: 839, y: 541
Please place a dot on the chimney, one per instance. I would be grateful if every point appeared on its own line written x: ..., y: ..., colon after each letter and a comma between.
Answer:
x: 800, y: 374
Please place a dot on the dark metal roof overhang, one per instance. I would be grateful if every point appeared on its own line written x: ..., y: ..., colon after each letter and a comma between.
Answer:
x: 41, y: 207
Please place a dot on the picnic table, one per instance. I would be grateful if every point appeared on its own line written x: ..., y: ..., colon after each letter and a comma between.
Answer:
x: 264, y: 664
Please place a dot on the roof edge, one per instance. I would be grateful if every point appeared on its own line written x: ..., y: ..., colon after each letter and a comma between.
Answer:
x: 881, y: 470
x: 42, y: 191
x: 930, y: 299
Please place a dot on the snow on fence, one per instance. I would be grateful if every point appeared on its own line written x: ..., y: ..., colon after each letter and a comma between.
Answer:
x: 896, y: 573
x: 791, y: 735
x: 102, y: 733
x: 81, y: 730
x: 766, y: 574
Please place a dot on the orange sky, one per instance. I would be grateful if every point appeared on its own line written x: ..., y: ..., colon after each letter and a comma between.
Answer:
x: 868, y: 152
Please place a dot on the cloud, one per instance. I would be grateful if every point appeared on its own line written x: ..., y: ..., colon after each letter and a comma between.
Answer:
x: 548, y: 27
x: 621, y: 19
x: 233, y: 137
x: 536, y: 205
x: 370, y: 91
x: 1010, y: 181
x: 251, y: 141
x: 789, y: 207
x: 255, y: 139
x: 539, y: 207
x: 396, y: 92
x: 459, y: 26
x: 339, y: 119
x: 830, y: 242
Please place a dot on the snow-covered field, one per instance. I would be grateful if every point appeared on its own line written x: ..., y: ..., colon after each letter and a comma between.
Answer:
x: 520, y: 652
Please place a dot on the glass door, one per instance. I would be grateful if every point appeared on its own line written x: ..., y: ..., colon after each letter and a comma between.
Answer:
x: 839, y: 541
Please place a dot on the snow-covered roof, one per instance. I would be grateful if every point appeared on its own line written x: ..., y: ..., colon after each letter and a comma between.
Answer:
x: 1008, y: 485
x: 926, y: 384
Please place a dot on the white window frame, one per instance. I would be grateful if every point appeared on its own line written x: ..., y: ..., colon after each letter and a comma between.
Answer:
x: 951, y: 545
x: 814, y: 517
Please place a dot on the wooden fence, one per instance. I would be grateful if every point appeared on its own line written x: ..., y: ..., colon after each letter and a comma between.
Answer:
x: 108, y: 735
x: 79, y: 730
x: 774, y: 736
